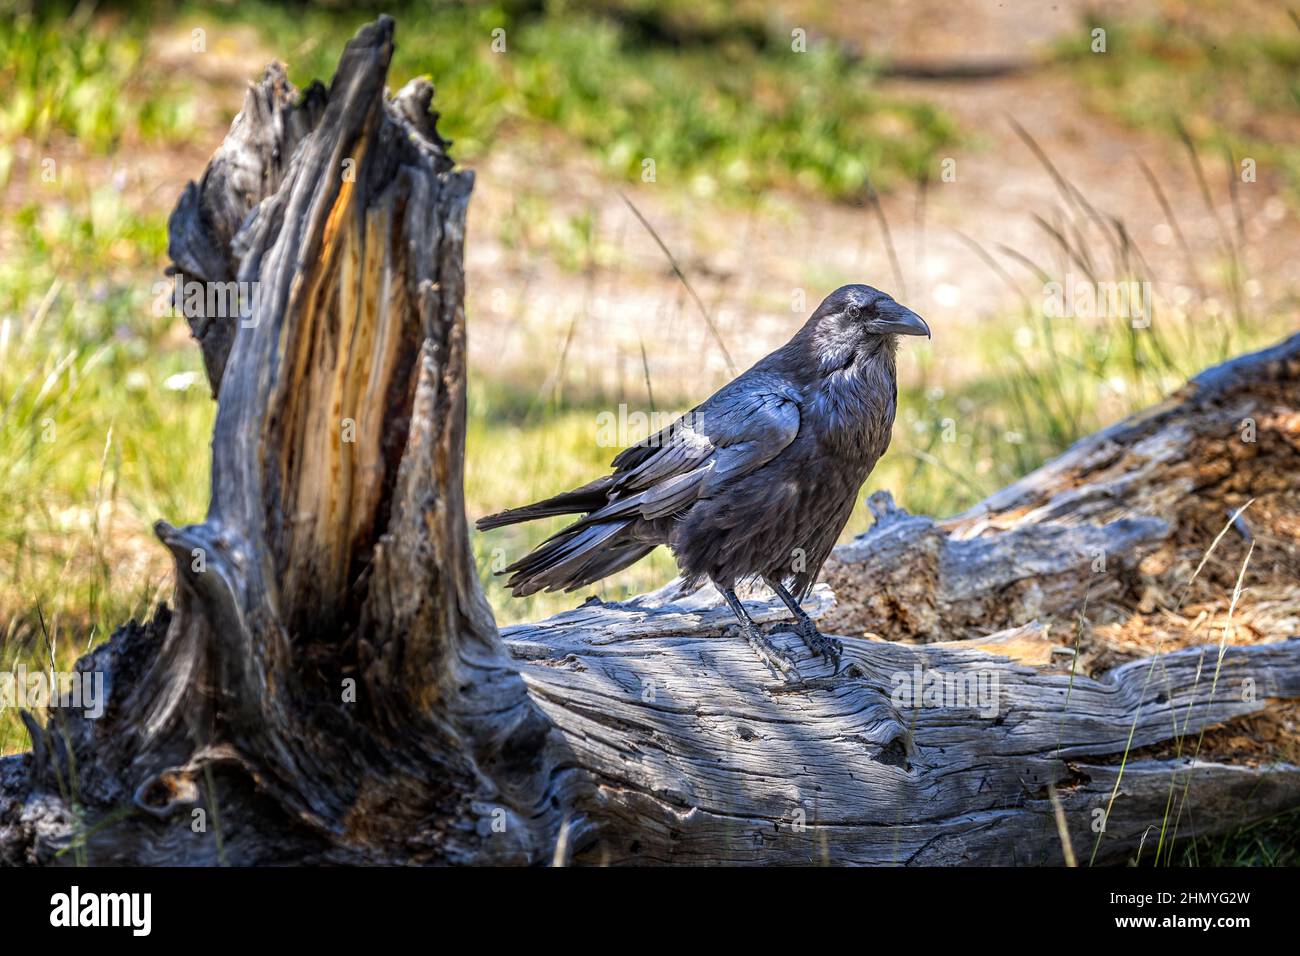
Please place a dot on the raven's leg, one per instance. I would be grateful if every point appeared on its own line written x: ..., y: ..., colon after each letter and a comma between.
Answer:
x: 817, y: 642
x: 764, y: 648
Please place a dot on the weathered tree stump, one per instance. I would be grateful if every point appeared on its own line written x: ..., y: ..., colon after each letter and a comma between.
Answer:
x: 331, y: 686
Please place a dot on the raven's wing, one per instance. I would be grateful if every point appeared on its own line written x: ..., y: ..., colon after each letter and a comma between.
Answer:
x: 741, y: 428
x: 744, y: 425
x: 736, y: 431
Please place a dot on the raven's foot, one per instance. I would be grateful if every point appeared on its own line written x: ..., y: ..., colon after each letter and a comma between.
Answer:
x: 769, y: 653
x: 828, y: 647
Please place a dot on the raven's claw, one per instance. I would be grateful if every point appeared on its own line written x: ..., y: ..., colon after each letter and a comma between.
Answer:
x: 828, y: 647
x: 769, y: 653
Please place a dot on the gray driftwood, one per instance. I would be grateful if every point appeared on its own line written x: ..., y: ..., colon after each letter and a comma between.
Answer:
x: 331, y: 686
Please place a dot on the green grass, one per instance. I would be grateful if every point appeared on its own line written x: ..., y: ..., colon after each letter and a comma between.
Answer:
x: 1230, y: 92
x: 97, y: 436
x: 65, y: 75
x: 733, y: 118
x: 1271, y: 842
x: 104, y: 418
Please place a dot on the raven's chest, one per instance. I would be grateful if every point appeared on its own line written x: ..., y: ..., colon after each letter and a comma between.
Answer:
x: 847, y: 425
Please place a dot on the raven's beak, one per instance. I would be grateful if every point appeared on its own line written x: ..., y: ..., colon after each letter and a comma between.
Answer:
x: 899, y: 320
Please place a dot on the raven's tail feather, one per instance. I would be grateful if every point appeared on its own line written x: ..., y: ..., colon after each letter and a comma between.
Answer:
x: 605, y: 563
x: 578, y: 501
x: 575, y: 557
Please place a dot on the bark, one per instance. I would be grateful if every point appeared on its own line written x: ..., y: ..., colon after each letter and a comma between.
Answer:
x: 331, y: 686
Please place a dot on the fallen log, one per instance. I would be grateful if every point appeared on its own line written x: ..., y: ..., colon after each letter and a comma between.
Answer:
x: 331, y: 686
x: 1122, y: 518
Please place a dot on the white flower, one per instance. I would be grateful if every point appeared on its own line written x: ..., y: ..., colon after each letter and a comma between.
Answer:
x: 181, y: 381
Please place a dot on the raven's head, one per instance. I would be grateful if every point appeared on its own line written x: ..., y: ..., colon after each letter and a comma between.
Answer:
x: 869, y: 310
x: 856, y: 323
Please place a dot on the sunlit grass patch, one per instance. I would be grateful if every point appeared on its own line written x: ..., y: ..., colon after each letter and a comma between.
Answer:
x: 731, y: 119
x: 1232, y: 91
x: 104, y: 424
x: 67, y: 73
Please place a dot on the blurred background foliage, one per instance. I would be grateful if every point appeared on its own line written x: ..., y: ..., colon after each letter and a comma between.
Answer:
x: 767, y: 166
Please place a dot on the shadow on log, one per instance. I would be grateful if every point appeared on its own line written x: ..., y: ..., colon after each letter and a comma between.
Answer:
x: 331, y: 686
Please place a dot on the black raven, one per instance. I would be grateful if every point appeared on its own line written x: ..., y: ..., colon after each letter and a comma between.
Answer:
x: 755, y: 483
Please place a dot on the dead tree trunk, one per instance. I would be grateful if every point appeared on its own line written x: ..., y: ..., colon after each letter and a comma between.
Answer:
x: 331, y: 686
